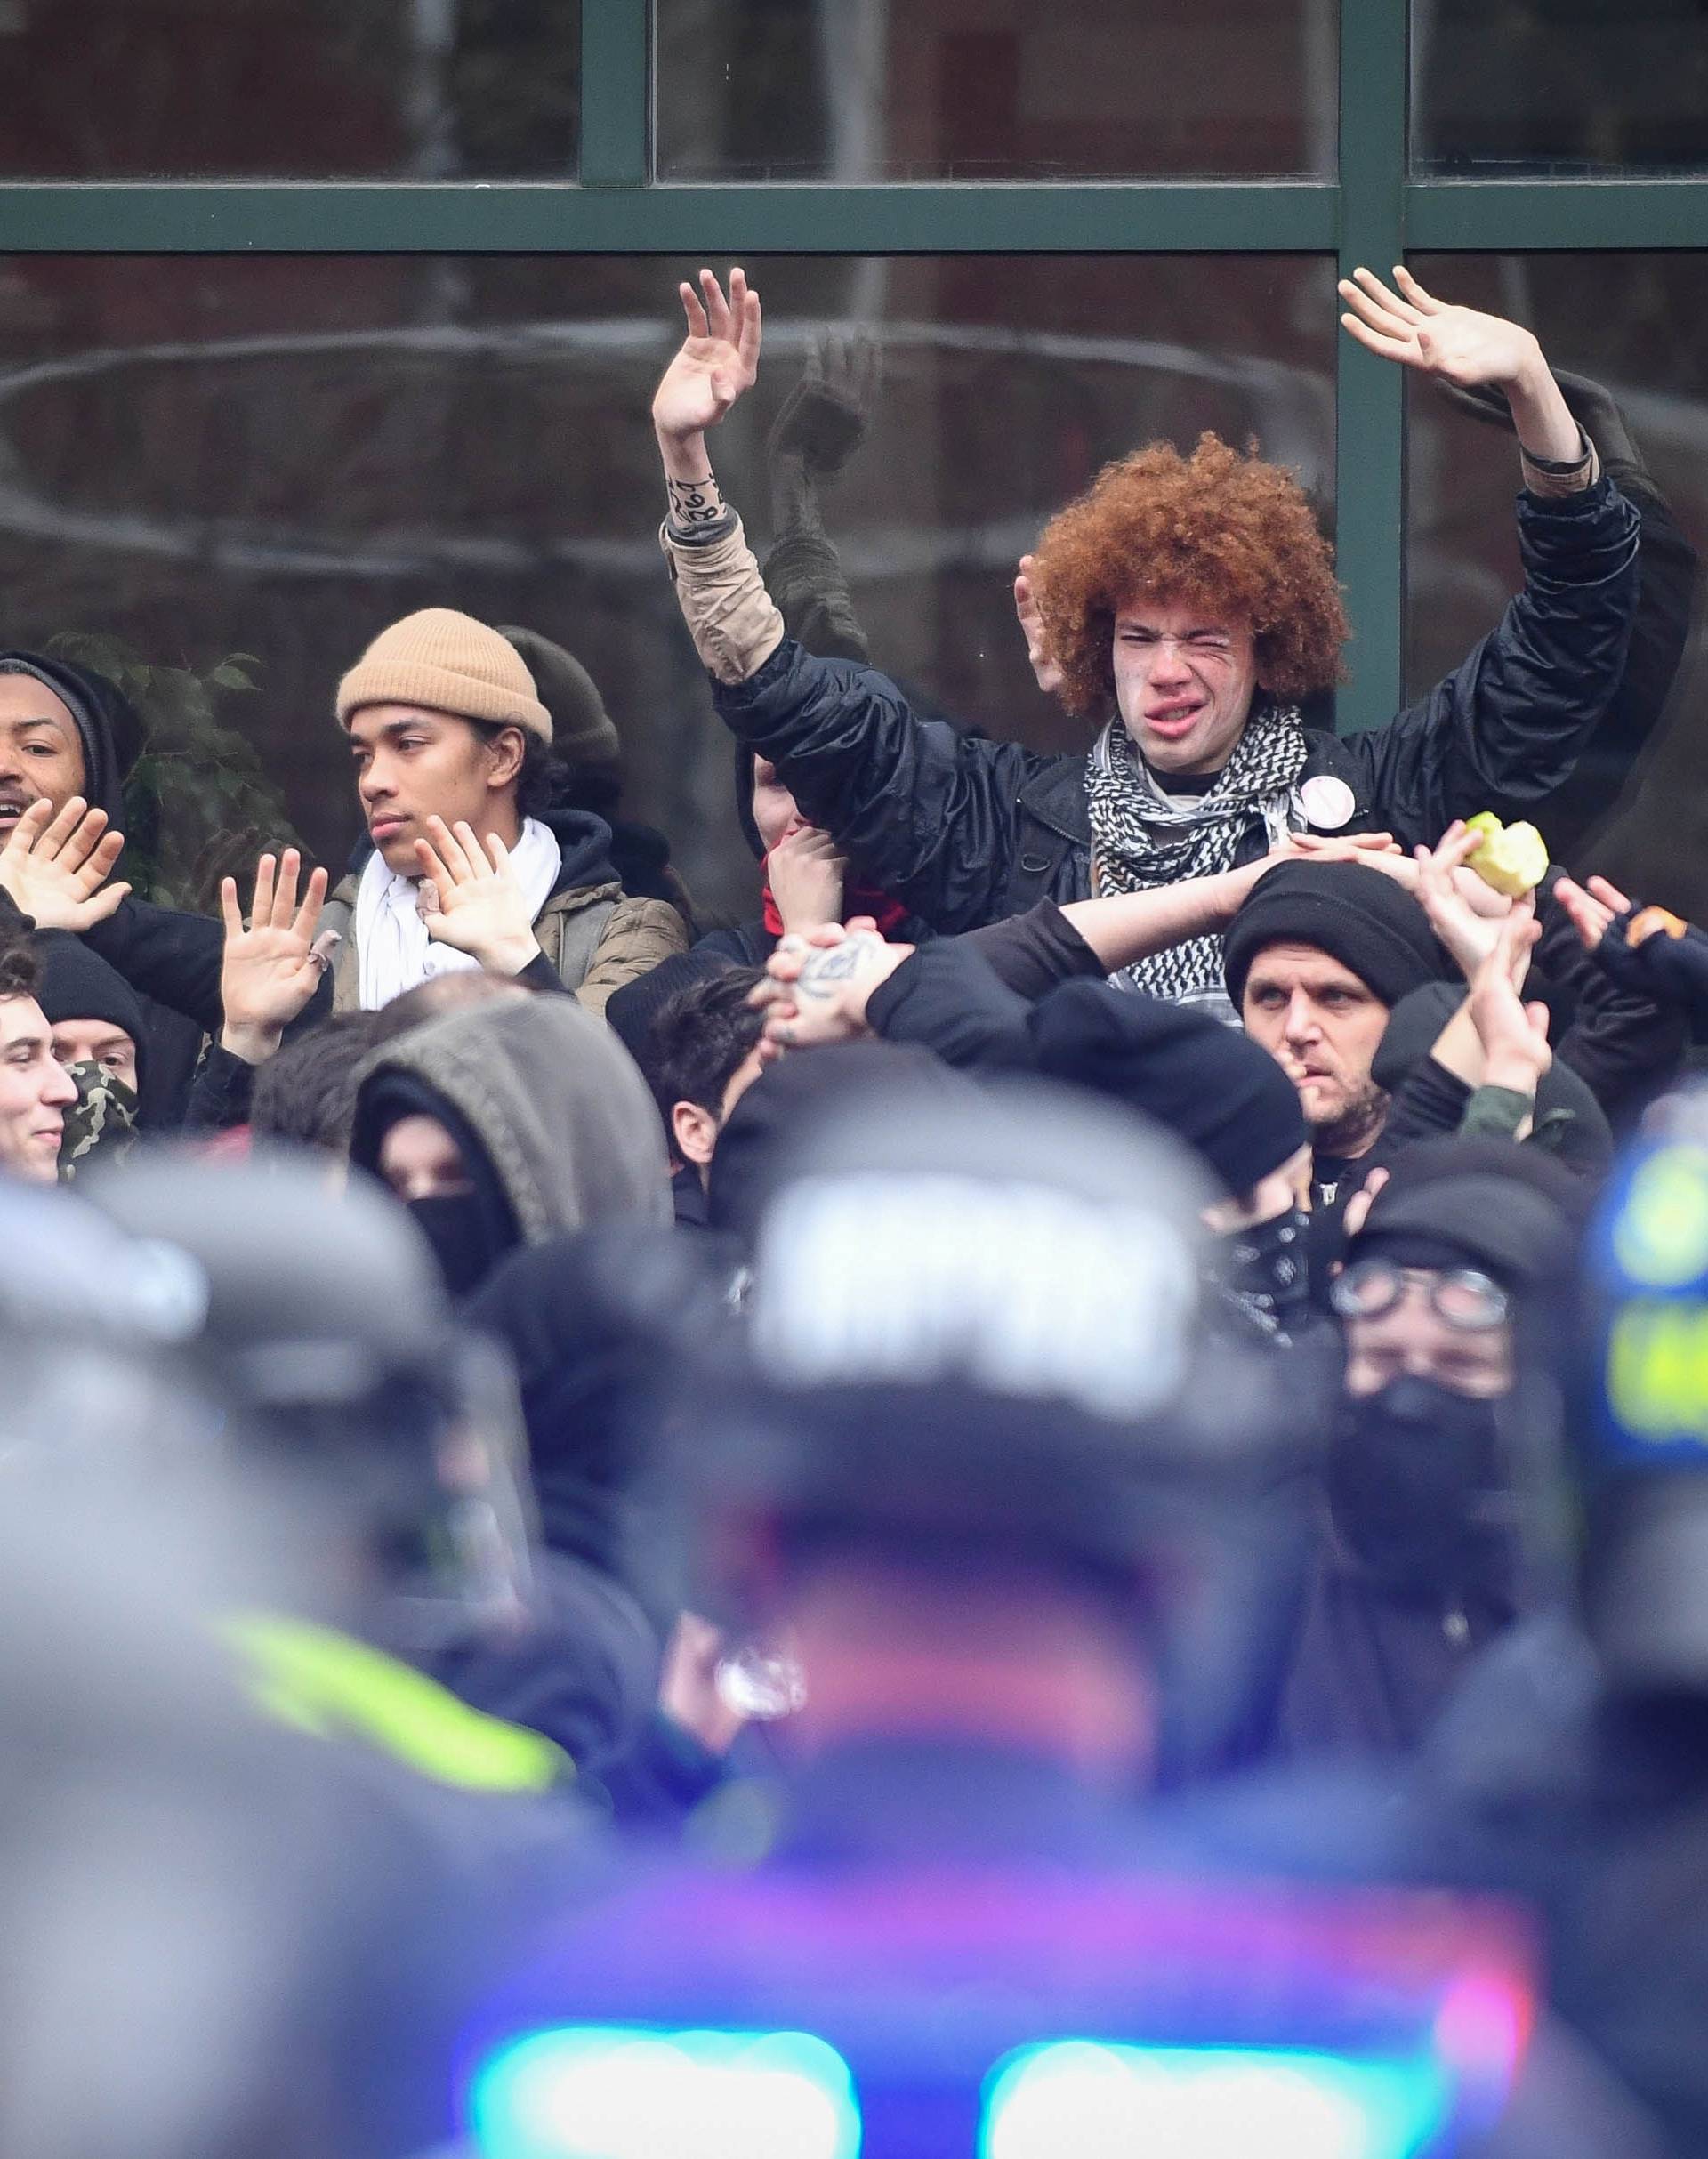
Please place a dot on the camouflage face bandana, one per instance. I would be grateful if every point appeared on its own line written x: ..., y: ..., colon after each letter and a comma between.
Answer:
x: 101, y: 1121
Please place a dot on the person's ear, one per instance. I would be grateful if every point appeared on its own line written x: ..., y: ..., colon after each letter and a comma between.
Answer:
x: 504, y: 755
x: 693, y: 1133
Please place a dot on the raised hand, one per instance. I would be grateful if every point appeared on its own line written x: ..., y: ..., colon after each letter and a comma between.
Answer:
x: 1030, y: 617
x: 807, y: 874
x: 1357, y: 1208
x: 687, y: 1688
x: 1465, y: 348
x: 718, y: 361
x: 1589, y: 912
x: 273, y: 964
x: 1466, y: 921
x: 480, y: 907
x: 55, y: 866
x: 1419, y: 331
x: 816, y: 992
x: 1514, y: 1035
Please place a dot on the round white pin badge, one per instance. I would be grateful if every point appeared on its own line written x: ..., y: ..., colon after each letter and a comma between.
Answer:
x: 1327, y: 803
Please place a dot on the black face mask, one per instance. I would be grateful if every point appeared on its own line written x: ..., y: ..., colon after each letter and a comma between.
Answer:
x: 1265, y: 1270
x: 459, y: 1228
x: 1416, y: 1487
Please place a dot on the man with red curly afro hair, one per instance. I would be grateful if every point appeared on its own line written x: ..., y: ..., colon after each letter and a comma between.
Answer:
x: 1182, y: 606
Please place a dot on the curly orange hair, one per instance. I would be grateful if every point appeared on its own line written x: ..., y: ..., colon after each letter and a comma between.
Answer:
x: 1218, y: 531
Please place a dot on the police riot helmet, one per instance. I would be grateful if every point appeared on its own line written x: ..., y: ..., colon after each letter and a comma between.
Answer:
x: 326, y: 1331
x: 982, y: 1323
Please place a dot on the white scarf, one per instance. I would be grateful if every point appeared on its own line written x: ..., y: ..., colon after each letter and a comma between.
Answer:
x: 393, y: 950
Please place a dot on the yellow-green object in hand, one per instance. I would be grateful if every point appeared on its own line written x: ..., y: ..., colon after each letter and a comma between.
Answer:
x: 1512, y: 858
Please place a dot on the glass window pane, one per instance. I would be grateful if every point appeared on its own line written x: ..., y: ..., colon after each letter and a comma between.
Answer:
x: 276, y: 456
x: 1559, y: 86
x: 1638, y: 808
x: 290, y: 89
x: 865, y: 90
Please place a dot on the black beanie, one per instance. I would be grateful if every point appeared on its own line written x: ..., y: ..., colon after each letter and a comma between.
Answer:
x: 632, y: 1009
x: 1354, y: 913
x: 77, y: 984
x: 107, y: 726
x: 1205, y: 1081
x: 1482, y: 1203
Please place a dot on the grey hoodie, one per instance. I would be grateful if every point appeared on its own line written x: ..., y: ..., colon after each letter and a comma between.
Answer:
x: 555, y: 1100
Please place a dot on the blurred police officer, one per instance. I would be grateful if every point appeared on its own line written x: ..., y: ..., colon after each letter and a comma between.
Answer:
x: 1577, y: 1763
x: 998, y: 1518
x: 249, y: 1865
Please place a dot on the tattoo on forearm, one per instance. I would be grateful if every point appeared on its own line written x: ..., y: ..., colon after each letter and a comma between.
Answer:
x: 694, y: 502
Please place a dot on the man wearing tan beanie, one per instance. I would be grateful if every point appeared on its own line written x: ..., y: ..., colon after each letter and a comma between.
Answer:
x: 473, y: 865
x: 474, y: 861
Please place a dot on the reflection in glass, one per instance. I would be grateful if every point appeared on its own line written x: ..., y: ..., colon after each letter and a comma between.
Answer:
x: 311, y: 89
x: 866, y: 90
x: 1559, y: 86
x: 1638, y: 808
x: 216, y: 455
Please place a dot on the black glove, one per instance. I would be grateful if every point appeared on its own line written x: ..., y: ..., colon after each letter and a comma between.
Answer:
x: 1656, y: 955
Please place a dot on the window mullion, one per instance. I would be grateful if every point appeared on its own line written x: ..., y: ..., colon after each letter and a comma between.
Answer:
x: 615, y: 94
x: 1370, y: 411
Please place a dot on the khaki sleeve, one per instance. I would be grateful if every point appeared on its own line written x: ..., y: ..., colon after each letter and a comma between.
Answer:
x: 639, y: 933
x: 1553, y: 483
x: 731, y: 618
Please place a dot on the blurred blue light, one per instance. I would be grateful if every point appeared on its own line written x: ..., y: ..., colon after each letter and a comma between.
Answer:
x: 1113, y: 2102
x: 626, y: 2091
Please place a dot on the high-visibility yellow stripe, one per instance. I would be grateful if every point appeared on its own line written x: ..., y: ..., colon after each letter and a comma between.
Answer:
x: 332, y: 1686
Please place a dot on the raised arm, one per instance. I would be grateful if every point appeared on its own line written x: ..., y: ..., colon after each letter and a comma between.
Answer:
x: 1505, y: 729
x: 925, y: 813
x: 1131, y: 926
x: 717, y: 363
x: 733, y: 621
x: 1468, y: 348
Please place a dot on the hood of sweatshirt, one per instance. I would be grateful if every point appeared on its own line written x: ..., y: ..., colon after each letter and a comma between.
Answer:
x: 107, y: 726
x: 556, y: 1104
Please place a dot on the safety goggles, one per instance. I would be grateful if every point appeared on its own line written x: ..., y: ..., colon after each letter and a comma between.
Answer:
x: 1459, y: 1297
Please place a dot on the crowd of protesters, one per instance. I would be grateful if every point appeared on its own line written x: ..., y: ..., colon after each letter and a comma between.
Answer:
x: 1078, y: 1334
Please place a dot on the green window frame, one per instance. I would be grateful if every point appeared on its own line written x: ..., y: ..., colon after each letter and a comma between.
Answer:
x: 1372, y: 212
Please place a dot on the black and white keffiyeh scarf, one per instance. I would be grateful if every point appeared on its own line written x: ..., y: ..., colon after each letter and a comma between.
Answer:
x: 1141, y: 839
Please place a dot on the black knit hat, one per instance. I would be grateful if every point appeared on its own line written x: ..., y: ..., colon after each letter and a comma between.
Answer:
x: 1476, y: 1202
x: 77, y: 984
x: 632, y: 1009
x: 1355, y: 914
x: 1205, y: 1081
x: 108, y: 727
x: 582, y: 732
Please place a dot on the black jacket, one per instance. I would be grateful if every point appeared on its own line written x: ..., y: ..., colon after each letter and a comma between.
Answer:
x: 1370, y: 1669
x: 962, y: 830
